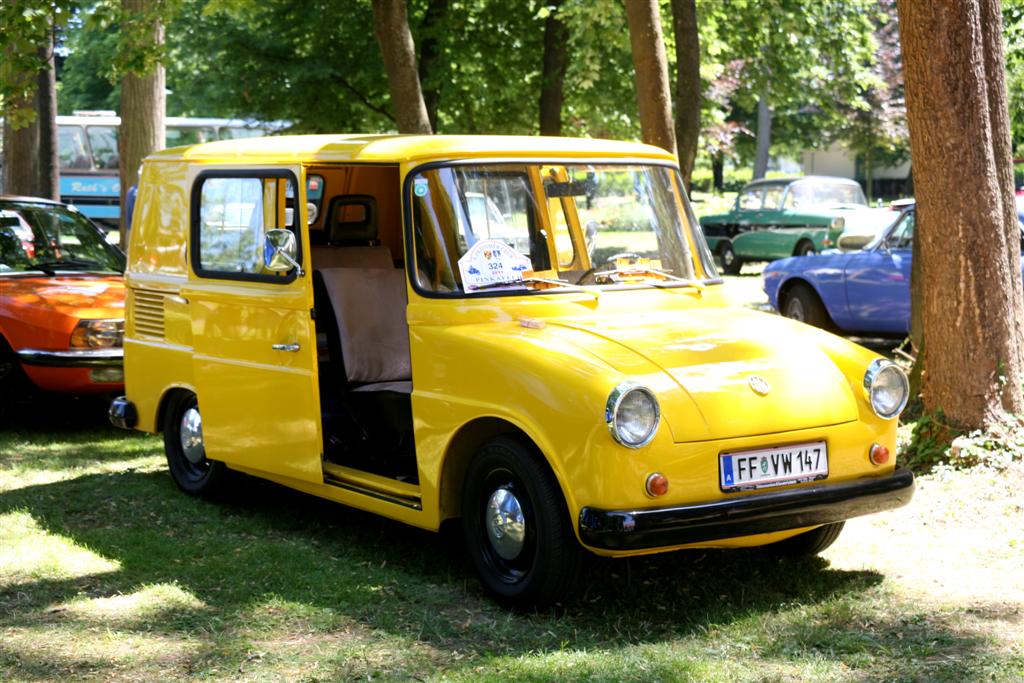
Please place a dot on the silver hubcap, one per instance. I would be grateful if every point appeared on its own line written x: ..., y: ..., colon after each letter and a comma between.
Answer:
x: 506, y: 527
x: 795, y: 309
x: 192, y: 436
x: 728, y: 257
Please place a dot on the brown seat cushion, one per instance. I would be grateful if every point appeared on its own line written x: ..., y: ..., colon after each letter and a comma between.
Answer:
x: 369, y: 305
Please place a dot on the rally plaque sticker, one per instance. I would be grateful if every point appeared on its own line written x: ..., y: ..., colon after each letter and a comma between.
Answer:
x: 490, y: 262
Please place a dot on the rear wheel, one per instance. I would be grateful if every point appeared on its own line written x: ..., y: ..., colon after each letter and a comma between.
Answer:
x: 810, y: 542
x: 186, y: 454
x: 802, y: 303
x: 515, y: 527
x: 731, y: 265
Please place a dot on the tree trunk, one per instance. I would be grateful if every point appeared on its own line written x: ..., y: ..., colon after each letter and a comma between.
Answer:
x: 391, y: 26
x: 46, y: 116
x: 869, y: 176
x: 143, y: 105
x: 651, y: 69
x: 973, y: 305
x: 556, y: 63
x: 764, y: 135
x: 688, y: 93
x: 430, y: 50
x: 718, y: 172
x: 21, y: 157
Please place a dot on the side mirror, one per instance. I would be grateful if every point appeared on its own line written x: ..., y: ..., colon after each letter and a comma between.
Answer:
x: 280, y: 251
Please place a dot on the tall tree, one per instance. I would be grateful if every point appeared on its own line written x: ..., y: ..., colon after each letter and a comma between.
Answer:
x: 46, y: 119
x: 28, y: 93
x: 391, y: 26
x: 432, y: 30
x: 143, y: 92
x: 652, y: 91
x: 688, y: 87
x: 973, y: 309
x: 555, y: 65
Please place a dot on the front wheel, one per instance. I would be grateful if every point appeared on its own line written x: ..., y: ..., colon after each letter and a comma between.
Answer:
x: 802, y: 303
x: 805, y: 248
x: 186, y: 454
x: 810, y: 542
x: 515, y: 527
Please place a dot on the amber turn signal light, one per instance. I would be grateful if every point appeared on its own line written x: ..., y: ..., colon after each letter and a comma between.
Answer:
x: 878, y: 454
x: 657, y: 485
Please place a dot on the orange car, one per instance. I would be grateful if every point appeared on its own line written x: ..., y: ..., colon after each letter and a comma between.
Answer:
x: 61, y: 299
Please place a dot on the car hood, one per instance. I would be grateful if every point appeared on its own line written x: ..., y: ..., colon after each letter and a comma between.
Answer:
x: 83, y: 297
x: 712, y: 356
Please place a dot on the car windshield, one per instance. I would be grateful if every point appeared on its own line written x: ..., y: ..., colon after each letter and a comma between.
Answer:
x: 49, y: 238
x: 491, y: 227
x: 810, y: 192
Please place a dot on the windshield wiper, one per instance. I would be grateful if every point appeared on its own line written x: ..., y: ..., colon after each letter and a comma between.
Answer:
x: 535, y: 280
x: 674, y: 280
x: 49, y: 267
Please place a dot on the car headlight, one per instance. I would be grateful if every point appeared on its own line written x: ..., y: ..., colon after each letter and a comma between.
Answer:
x: 98, y: 334
x: 838, y: 223
x: 632, y: 415
x: 888, y: 388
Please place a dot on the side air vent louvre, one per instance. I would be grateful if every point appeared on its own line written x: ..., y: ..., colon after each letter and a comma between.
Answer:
x: 148, y: 313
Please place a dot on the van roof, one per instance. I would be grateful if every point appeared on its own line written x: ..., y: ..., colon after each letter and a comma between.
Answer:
x: 404, y: 148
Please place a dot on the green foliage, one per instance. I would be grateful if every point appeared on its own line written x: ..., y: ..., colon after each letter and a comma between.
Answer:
x: 1013, y: 33
x: 25, y: 31
x: 935, y: 442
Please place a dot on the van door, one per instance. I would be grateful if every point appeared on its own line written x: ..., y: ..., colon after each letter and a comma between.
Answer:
x: 252, y: 329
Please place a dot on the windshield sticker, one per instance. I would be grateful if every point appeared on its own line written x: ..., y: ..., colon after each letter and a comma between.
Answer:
x: 420, y: 187
x: 490, y: 262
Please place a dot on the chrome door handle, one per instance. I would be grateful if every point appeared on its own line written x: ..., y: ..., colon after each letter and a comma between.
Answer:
x: 286, y: 347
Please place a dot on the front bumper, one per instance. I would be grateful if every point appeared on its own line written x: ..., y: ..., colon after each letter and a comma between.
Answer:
x: 747, y: 515
x: 85, y: 358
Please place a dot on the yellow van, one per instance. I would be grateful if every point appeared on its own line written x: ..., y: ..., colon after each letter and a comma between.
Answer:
x: 527, y: 334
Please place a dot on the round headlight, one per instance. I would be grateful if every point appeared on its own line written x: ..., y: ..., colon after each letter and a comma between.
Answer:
x: 632, y: 415
x: 888, y: 388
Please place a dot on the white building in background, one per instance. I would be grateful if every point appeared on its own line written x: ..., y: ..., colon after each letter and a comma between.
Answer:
x: 839, y: 161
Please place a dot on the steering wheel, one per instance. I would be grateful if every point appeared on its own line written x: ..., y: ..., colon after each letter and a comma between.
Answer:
x: 589, y: 272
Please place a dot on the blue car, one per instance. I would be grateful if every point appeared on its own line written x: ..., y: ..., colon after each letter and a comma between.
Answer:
x: 866, y: 291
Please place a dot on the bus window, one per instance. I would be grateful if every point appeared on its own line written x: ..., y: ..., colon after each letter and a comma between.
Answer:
x: 233, y: 133
x: 71, y: 147
x: 103, y: 140
x: 180, y: 135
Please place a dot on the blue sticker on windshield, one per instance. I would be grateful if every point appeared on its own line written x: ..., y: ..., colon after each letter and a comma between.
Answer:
x: 419, y: 187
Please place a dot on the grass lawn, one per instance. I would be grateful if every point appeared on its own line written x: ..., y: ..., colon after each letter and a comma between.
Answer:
x: 108, y: 573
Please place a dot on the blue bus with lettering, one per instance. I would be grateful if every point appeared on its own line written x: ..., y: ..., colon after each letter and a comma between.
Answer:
x: 88, y: 155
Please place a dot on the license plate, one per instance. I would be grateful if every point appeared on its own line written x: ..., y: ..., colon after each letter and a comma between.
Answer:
x: 776, y: 466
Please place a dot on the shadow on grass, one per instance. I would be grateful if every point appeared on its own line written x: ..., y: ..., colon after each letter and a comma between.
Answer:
x: 55, y: 432
x: 269, y: 550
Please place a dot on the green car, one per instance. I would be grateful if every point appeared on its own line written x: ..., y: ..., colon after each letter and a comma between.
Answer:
x: 782, y: 217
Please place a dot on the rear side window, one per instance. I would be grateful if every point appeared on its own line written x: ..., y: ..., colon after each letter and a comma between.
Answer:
x: 232, y: 212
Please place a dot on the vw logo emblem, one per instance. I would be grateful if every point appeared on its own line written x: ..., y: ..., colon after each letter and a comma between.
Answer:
x: 759, y: 385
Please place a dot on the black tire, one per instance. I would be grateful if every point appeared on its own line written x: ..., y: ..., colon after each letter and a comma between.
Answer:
x: 810, y: 542
x: 193, y: 472
x: 802, y: 303
x: 731, y: 265
x: 541, y: 567
x: 805, y: 248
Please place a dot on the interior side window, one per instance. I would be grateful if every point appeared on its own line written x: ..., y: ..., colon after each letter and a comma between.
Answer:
x: 750, y: 199
x: 903, y: 236
x: 233, y: 218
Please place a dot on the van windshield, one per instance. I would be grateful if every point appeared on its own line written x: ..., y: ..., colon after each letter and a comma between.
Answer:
x: 526, y: 226
x: 48, y: 238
